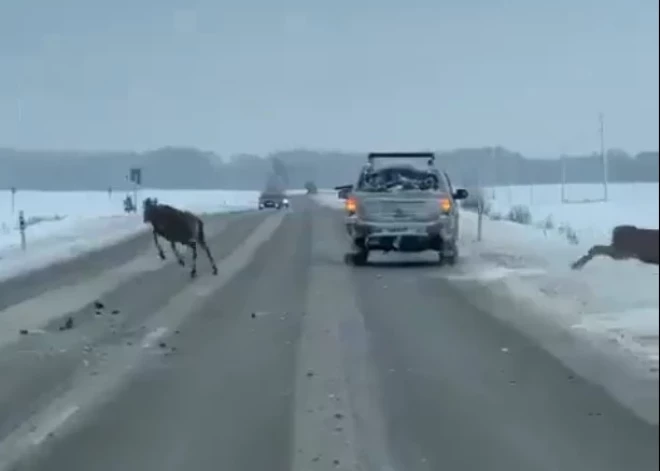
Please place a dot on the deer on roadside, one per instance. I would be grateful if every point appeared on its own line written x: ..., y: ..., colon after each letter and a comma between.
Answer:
x: 627, y: 242
x: 177, y: 226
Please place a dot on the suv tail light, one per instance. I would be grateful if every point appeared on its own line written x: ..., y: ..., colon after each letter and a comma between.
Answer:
x: 351, y: 205
x: 445, y: 205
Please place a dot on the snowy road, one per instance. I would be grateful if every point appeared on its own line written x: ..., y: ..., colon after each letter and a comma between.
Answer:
x: 384, y: 368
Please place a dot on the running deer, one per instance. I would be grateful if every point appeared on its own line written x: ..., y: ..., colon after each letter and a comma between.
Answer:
x: 177, y: 226
x: 627, y: 242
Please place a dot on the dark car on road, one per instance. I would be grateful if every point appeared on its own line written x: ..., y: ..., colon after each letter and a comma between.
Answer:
x: 275, y: 200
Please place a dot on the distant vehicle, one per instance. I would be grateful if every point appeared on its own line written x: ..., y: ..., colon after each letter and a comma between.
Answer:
x: 403, y: 207
x: 311, y: 188
x: 273, y: 199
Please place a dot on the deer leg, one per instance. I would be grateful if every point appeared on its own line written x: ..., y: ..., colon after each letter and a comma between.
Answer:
x: 595, y: 251
x: 201, y: 239
x: 210, y: 257
x: 177, y: 254
x: 193, y: 270
x: 161, y: 253
x: 582, y: 261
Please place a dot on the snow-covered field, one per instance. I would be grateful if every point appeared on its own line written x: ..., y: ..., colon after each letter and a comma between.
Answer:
x: 635, y: 204
x: 611, y: 301
x: 65, y: 224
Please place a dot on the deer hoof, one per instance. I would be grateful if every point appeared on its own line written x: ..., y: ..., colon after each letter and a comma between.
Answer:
x: 215, y: 270
x: 162, y: 256
x: 182, y: 263
x: 193, y: 274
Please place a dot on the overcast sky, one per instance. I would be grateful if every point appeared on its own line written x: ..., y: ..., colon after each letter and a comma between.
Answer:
x: 263, y: 75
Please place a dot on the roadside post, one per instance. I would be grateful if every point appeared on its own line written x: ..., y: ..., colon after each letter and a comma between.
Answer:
x: 21, y: 228
x: 480, y: 216
x: 13, y: 199
x: 135, y: 176
x: 480, y: 204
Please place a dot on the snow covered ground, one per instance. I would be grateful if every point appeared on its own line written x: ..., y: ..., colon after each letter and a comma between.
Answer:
x: 635, y: 204
x: 62, y: 225
x: 612, y: 302
x: 618, y: 300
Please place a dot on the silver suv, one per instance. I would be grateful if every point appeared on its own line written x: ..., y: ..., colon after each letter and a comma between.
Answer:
x: 402, y: 202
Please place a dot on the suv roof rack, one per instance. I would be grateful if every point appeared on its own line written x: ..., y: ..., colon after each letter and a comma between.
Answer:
x: 399, y: 155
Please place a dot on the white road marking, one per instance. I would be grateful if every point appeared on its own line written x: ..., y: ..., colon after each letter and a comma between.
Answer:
x: 153, y: 336
x: 51, y: 424
x: 493, y: 273
x: 334, y: 375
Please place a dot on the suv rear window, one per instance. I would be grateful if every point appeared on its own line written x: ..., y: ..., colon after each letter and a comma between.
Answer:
x: 401, y: 178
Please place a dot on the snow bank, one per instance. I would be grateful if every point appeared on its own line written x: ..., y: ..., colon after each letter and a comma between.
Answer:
x: 51, y: 243
x: 328, y: 198
x: 615, y: 299
x: 295, y: 192
x: 62, y: 225
x: 635, y: 204
x: 601, y: 321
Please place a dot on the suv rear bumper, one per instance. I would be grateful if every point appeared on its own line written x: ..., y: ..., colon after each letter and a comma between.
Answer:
x: 404, y: 236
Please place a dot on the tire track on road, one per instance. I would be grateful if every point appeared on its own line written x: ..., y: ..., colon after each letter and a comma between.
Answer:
x: 338, y: 422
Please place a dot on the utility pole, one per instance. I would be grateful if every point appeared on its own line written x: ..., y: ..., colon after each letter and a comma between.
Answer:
x: 563, y: 178
x: 603, y: 154
x: 13, y: 199
x: 480, y: 208
x: 530, y: 182
x: 493, y: 161
x: 135, y: 176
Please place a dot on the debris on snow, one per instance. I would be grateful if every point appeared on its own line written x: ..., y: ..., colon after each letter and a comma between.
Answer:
x: 68, y: 325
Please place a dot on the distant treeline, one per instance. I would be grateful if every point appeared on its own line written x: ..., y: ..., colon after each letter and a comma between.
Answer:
x: 187, y: 168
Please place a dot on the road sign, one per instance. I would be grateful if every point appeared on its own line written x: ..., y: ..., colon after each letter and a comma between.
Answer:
x: 136, y: 175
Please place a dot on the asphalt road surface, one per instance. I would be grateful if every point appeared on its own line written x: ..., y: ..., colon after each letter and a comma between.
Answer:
x: 288, y: 360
